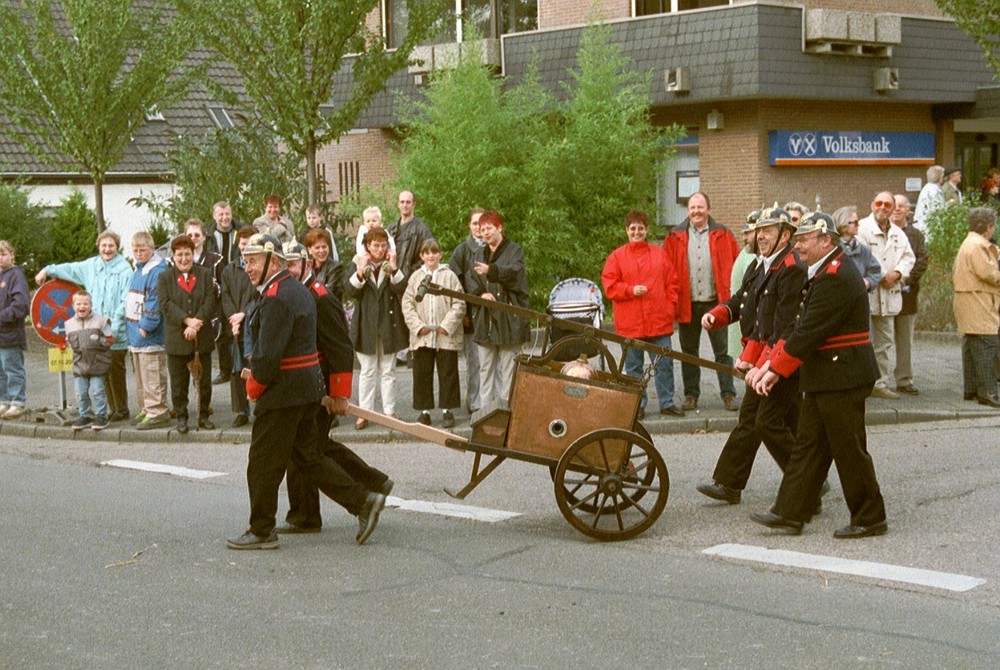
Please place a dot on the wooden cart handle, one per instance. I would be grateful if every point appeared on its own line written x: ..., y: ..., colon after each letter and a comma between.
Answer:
x: 418, y: 430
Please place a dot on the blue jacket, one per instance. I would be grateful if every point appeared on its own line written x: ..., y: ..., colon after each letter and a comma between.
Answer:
x: 142, y: 307
x: 107, y: 283
x: 864, y: 260
x: 14, y: 304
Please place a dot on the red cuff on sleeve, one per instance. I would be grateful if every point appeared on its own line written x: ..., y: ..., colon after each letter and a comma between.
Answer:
x: 254, y: 388
x: 751, y: 351
x: 721, y: 314
x: 338, y: 385
x: 764, y: 355
x: 783, y: 362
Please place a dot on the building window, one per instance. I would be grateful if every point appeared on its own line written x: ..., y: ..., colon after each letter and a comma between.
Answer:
x: 221, y: 117
x: 648, y: 7
x: 490, y: 18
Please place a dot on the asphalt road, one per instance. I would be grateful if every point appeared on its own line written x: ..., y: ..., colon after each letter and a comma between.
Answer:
x: 113, y: 568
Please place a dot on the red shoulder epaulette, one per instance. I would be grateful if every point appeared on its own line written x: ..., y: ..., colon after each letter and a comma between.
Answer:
x: 319, y: 289
x: 272, y: 290
x: 789, y: 260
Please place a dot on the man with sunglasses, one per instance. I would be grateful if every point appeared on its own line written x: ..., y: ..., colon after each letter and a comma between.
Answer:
x: 892, y: 249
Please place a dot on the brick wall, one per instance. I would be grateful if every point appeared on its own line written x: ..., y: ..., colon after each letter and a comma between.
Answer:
x: 556, y: 13
x: 370, y: 151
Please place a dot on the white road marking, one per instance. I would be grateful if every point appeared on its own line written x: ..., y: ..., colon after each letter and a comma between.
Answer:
x: 451, y: 509
x: 896, y: 573
x: 165, y: 469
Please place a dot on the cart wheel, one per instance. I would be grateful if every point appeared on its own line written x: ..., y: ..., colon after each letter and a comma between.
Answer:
x: 606, y: 470
x: 646, y: 477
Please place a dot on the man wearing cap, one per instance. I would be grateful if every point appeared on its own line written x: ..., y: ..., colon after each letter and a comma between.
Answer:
x: 892, y: 250
x: 284, y: 381
x: 949, y: 189
x: 336, y: 357
x: 770, y: 304
x: 830, y: 346
x: 702, y: 252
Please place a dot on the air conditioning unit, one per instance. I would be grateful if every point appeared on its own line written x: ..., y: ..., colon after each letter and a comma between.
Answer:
x: 677, y: 79
x: 886, y: 79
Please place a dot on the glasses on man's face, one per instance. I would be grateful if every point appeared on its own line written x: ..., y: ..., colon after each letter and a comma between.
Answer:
x: 884, y: 204
x: 852, y: 222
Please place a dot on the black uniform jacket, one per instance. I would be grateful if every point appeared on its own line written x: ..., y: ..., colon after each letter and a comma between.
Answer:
x: 336, y: 353
x: 778, y: 296
x: 830, y: 341
x: 180, y: 300
x: 284, y: 365
x: 742, y: 304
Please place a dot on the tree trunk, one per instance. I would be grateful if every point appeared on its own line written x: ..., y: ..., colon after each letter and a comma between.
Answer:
x: 99, y: 203
x: 311, y: 169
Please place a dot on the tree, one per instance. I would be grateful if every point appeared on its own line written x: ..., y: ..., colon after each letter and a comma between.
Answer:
x: 78, y: 77
x: 72, y: 230
x: 24, y: 225
x: 563, y: 175
x: 289, y: 53
x: 981, y: 20
x: 204, y: 174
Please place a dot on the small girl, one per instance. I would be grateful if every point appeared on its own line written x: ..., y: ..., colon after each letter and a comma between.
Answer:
x: 89, y: 335
x: 372, y: 219
x: 14, y: 305
x: 435, y: 326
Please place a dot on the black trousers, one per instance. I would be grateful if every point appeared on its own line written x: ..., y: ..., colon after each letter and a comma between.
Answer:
x: 288, y: 435
x: 303, y: 496
x: 770, y: 419
x: 115, y: 384
x: 180, y: 380
x: 449, y: 389
x: 832, y: 428
x: 237, y: 385
x: 224, y: 349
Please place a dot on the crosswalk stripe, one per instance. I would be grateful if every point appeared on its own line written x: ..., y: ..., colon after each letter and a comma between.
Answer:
x: 160, y: 468
x: 451, y: 509
x: 896, y: 573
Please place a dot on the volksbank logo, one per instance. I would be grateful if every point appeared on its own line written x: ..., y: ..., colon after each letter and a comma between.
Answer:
x: 802, y: 144
x: 855, y: 145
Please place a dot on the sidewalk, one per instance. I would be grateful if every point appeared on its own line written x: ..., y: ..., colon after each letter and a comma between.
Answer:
x: 937, y: 360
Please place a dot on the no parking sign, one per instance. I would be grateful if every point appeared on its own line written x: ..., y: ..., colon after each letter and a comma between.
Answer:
x: 51, y: 305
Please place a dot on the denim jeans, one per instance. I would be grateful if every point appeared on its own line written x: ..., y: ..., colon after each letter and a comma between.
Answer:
x: 664, y: 376
x: 690, y: 336
x: 91, y: 399
x: 12, y: 377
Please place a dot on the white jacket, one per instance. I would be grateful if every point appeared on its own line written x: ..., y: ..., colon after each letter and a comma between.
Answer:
x: 434, y: 311
x: 892, y: 250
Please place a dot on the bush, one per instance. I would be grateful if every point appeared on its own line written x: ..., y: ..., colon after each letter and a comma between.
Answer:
x: 73, y: 229
x: 25, y: 226
x: 936, y: 296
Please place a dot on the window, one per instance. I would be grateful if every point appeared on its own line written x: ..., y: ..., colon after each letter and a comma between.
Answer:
x: 648, y: 7
x: 221, y: 117
x: 490, y: 18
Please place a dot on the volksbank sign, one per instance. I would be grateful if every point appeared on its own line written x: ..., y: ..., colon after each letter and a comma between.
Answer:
x: 845, y: 147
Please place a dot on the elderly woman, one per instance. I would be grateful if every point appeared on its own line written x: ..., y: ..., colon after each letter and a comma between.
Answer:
x: 846, y: 220
x: 326, y: 269
x: 188, y: 305
x: 106, y: 277
x: 375, y: 283
x: 435, y: 325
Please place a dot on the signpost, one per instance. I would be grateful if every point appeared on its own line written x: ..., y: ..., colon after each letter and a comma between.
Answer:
x: 51, y: 305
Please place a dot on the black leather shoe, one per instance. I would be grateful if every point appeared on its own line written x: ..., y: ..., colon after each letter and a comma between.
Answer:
x: 854, y: 532
x: 424, y: 418
x: 772, y: 520
x: 969, y: 396
x: 286, y: 528
x: 673, y: 410
x: 221, y: 379
x: 182, y: 425
x: 368, y: 516
x: 205, y: 423
x: 690, y: 403
x: 718, y: 491
x: 989, y: 401
x: 447, y: 419
x: 120, y: 415
x: 240, y: 420
x: 250, y: 541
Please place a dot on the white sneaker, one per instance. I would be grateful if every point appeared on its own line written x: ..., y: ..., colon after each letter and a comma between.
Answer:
x: 13, y: 412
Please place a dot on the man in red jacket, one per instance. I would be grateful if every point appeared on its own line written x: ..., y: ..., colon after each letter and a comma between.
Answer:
x: 702, y: 252
x: 642, y: 285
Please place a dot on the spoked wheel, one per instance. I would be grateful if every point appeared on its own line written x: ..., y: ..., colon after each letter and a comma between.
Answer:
x: 602, y: 480
x: 646, y: 477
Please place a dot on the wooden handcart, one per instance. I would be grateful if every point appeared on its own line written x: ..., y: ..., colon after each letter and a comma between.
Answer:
x: 610, y: 481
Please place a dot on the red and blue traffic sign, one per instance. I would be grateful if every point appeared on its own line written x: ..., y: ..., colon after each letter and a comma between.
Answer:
x: 51, y: 305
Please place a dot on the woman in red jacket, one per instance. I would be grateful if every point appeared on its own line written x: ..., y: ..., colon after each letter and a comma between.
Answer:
x: 640, y: 280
